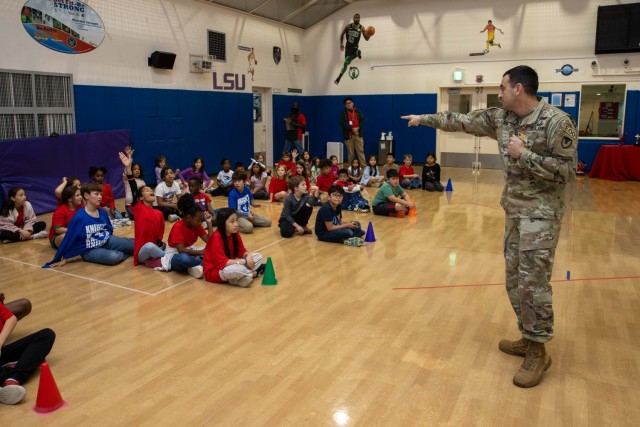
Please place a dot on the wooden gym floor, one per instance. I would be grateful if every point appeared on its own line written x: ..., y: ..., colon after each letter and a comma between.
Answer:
x: 402, y: 332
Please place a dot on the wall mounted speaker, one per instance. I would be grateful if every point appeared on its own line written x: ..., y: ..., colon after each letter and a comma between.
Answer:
x: 162, y: 60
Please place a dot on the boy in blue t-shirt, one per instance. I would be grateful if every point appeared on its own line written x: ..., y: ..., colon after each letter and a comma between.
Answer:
x: 90, y: 234
x: 329, y: 225
x: 241, y: 199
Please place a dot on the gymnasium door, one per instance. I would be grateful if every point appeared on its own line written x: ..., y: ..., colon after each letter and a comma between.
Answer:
x: 458, y: 149
x: 262, y: 132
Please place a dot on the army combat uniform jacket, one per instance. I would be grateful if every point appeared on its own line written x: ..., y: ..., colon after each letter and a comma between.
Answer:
x: 535, y: 182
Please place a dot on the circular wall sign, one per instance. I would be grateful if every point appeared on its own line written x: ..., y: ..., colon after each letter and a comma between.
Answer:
x: 65, y: 26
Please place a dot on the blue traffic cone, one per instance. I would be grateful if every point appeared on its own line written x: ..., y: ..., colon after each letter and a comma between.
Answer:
x: 370, y: 237
x: 449, y: 186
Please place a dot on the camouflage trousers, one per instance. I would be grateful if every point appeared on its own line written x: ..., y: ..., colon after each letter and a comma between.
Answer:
x: 529, y: 249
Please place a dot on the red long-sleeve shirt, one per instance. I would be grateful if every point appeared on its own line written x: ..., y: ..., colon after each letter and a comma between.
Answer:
x: 214, y: 257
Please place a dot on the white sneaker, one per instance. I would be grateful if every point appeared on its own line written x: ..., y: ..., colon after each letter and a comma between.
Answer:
x: 245, y: 282
x: 40, y: 235
x: 196, y: 271
x: 173, y: 218
x: 12, y: 394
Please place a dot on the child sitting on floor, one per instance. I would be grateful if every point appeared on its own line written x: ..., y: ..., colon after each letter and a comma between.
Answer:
x: 181, y: 253
x: 241, y: 200
x: 391, y: 199
x: 19, y: 359
x: 325, y: 180
x: 297, y: 209
x: 329, y: 226
x: 371, y: 175
x: 352, y: 200
x: 224, y: 182
x: 18, y: 219
x: 71, y: 202
x: 431, y: 174
x: 90, y: 234
x: 108, y: 203
x: 167, y: 193
x: 258, y: 182
x: 226, y: 260
x: 72, y: 180
x: 149, y: 226
x: 391, y: 164
x: 408, y: 178
x: 278, y: 185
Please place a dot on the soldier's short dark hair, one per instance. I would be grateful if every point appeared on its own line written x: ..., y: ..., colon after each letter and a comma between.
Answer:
x: 524, y: 75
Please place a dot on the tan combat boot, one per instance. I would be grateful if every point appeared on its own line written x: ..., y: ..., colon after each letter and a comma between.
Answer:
x: 536, y: 362
x: 517, y: 348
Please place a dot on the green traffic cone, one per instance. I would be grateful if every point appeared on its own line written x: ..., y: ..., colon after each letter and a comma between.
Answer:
x: 269, y: 278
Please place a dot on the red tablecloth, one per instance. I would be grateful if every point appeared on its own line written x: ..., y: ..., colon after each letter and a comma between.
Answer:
x: 617, y: 162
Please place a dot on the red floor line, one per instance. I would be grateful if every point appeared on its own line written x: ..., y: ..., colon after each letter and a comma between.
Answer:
x: 586, y: 279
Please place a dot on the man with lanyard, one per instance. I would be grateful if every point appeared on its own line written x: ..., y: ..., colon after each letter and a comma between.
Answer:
x: 537, y: 144
x: 351, y: 120
x: 295, y: 124
x: 353, y: 32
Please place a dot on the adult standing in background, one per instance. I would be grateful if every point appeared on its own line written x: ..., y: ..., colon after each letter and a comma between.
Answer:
x: 537, y: 144
x: 295, y: 124
x: 351, y: 120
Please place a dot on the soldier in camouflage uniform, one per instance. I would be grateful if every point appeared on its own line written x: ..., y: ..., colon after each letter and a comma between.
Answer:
x: 537, y: 144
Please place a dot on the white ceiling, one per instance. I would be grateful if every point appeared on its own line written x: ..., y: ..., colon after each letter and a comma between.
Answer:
x: 298, y: 13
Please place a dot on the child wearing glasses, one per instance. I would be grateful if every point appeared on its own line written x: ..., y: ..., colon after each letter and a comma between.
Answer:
x: 329, y: 225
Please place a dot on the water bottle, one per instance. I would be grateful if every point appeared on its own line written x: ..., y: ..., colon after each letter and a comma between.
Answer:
x: 382, y: 136
x: 389, y: 136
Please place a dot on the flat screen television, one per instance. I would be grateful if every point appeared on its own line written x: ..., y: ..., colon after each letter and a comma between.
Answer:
x: 618, y: 28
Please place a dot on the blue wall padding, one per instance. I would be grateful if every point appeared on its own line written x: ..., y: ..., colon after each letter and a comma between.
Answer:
x: 179, y: 124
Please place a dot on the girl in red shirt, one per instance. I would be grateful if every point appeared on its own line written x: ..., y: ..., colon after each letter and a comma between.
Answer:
x: 70, y: 201
x: 302, y: 171
x: 108, y: 203
x: 148, y: 227
x: 278, y: 190
x: 181, y: 253
x: 226, y: 260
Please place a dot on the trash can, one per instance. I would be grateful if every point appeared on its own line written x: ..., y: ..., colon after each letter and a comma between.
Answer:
x: 385, y: 146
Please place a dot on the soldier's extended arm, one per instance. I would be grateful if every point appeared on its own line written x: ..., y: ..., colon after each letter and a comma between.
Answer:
x: 479, y: 122
x: 560, y: 165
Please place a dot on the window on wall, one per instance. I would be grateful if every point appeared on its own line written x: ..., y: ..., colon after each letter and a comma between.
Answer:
x: 35, y: 104
x: 257, y: 107
x: 217, y: 43
x: 602, y: 111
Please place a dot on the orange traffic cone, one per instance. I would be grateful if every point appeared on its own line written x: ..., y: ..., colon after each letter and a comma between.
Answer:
x: 412, y: 211
x: 49, y: 398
